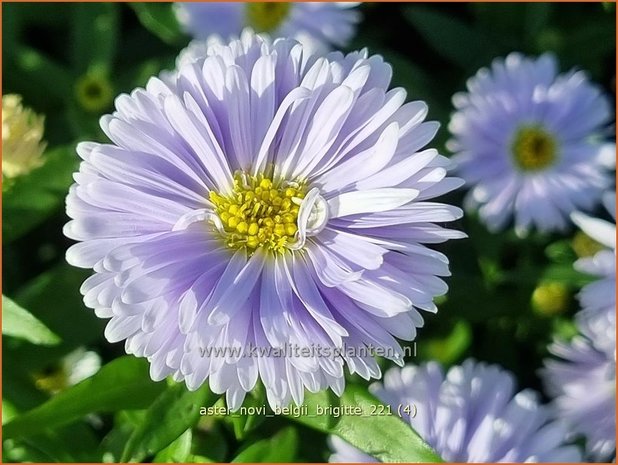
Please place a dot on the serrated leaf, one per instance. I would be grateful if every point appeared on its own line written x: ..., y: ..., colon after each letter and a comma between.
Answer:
x: 385, y: 437
x: 121, y: 384
x: 173, y: 412
x: 19, y: 323
x: 281, y: 448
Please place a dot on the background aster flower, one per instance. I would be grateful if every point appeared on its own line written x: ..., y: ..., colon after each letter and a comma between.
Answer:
x: 583, y: 380
x: 583, y: 383
x: 598, y: 299
x: 318, y: 26
x: 470, y: 415
x: 524, y: 139
x: 262, y: 198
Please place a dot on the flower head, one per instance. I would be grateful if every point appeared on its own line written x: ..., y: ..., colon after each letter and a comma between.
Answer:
x: 582, y: 381
x: 598, y: 299
x: 583, y: 377
x: 316, y: 25
x: 524, y: 139
x: 470, y: 415
x: 263, y: 198
x: 22, y: 132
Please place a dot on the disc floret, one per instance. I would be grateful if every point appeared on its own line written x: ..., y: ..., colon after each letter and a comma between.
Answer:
x: 260, y: 212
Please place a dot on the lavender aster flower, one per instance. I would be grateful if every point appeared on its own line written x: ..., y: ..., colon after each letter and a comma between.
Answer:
x: 316, y: 25
x: 583, y: 378
x: 263, y: 199
x: 598, y: 299
x: 470, y: 415
x: 524, y: 139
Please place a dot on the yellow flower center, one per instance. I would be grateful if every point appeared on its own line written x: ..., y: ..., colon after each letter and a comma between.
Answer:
x: 266, y: 16
x: 534, y: 148
x: 260, y: 212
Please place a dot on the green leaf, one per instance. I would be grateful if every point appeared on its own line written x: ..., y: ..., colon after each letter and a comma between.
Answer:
x: 33, y: 197
x: 19, y: 323
x: 242, y: 424
x: 517, y: 25
x: 174, y: 411
x: 368, y: 427
x: 561, y: 252
x: 54, y: 298
x: 209, y: 440
x: 95, y: 35
x: 536, y: 19
x: 178, y: 451
x: 70, y: 444
x: 566, y: 274
x: 159, y: 18
x: 31, y: 75
x: 450, y: 348
x: 280, y: 448
x: 121, y: 384
x: 452, y: 38
x: 111, y: 446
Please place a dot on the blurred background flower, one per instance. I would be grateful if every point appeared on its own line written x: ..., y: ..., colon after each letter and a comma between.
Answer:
x: 22, y: 137
x: 527, y: 142
x: 583, y: 377
x: 471, y: 414
x: 319, y: 26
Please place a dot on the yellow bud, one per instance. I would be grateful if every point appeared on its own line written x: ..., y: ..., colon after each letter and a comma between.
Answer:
x: 584, y: 245
x: 550, y: 299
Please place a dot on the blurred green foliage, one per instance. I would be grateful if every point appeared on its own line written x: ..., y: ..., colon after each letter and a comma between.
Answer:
x: 68, y: 61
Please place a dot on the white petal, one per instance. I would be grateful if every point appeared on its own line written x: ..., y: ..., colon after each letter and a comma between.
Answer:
x: 599, y: 230
x: 370, y: 201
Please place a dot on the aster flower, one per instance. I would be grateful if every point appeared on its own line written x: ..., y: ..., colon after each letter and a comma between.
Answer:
x: 263, y: 199
x: 583, y: 382
x: 583, y: 377
x: 22, y: 132
x: 524, y: 139
x: 598, y: 299
x: 317, y: 25
x: 470, y: 415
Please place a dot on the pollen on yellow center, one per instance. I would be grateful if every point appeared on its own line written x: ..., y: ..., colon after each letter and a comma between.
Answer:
x: 266, y: 16
x: 260, y: 212
x: 534, y: 148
